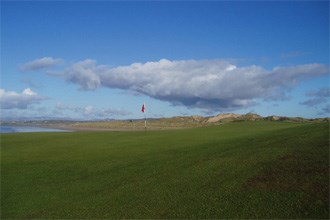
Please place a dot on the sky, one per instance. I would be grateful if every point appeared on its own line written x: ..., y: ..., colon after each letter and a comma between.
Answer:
x: 95, y: 60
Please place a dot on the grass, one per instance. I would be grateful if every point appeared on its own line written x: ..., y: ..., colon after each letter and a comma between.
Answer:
x: 152, y: 124
x: 236, y: 170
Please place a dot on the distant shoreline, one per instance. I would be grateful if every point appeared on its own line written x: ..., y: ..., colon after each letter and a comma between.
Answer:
x: 7, y: 129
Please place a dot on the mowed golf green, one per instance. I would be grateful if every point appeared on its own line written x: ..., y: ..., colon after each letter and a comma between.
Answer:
x: 235, y: 170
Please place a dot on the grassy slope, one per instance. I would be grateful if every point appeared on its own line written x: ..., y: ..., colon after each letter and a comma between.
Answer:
x: 237, y: 170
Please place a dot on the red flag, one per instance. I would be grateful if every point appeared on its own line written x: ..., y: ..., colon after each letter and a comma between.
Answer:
x: 143, y: 108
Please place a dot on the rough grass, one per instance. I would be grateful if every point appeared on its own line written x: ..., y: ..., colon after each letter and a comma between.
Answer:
x: 237, y: 170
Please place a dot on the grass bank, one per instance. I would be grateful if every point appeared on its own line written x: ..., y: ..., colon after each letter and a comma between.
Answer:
x: 236, y: 170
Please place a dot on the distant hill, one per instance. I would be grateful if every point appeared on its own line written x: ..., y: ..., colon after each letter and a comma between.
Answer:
x: 231, y: 117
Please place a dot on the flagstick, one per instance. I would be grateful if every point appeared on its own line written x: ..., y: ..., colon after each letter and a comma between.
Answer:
x: 145, y: 121
x: 145, y: 117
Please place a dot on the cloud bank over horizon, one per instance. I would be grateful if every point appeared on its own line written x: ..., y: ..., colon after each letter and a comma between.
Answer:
x: 205, y: 84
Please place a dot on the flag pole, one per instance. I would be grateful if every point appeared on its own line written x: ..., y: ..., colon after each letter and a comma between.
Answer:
x: 145, y: 116
x: 145, y: 121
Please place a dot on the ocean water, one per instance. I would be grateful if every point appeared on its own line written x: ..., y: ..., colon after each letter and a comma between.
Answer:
x: 16, y: 129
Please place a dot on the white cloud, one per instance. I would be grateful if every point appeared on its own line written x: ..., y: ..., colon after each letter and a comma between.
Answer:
x: 84, y: 73
x: 12, y: 100
x: 28, y: 92
x: 88, y: 110
x: 40, y: 63
x: 206, y: 84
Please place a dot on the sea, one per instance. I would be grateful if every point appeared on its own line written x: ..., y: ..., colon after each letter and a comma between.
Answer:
x: 16, y: 129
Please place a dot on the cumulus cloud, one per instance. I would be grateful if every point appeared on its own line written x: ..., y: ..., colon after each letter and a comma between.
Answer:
x: 12, y: 100
x: 206, y: 84
x: 84, y: 73
x: 39, y: 64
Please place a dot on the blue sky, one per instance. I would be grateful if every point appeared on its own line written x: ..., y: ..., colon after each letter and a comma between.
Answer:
x: 99, y: 59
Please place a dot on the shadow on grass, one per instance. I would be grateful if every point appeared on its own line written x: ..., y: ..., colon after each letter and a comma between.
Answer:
x: 297, y: 173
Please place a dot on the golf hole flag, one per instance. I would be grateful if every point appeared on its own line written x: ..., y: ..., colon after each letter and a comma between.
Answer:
x: 143, y: 108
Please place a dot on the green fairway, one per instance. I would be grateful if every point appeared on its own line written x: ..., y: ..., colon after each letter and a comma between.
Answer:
x: 235, y: 170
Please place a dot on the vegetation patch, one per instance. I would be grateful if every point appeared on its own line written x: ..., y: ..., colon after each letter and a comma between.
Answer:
x: 303, y: 171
